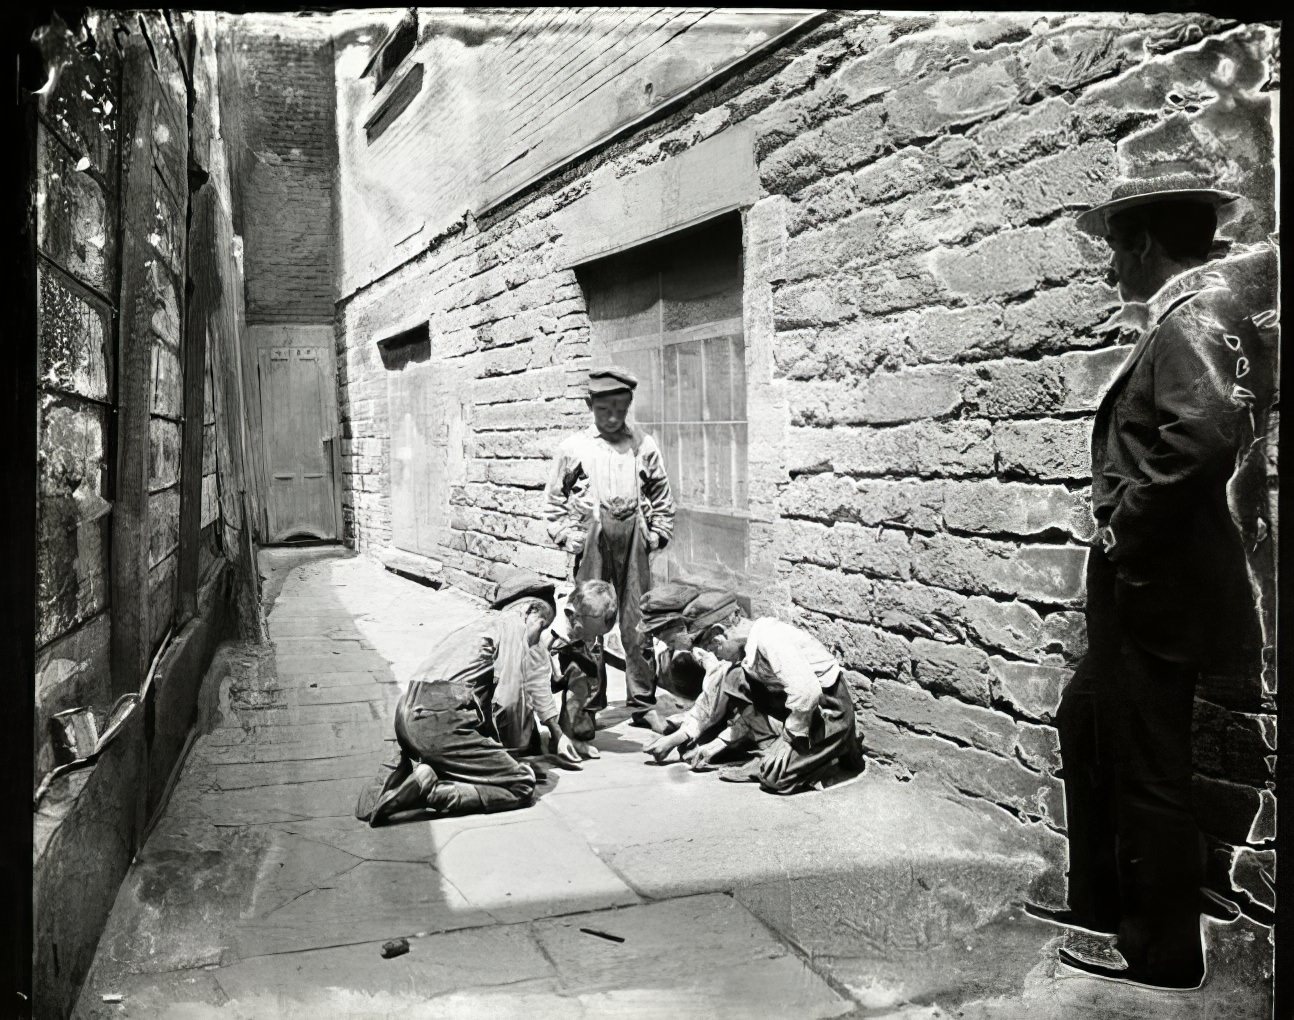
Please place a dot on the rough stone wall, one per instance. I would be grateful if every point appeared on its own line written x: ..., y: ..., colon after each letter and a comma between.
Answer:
x: 148, y: 80
x: 279, y: 99
x: 927, y: 342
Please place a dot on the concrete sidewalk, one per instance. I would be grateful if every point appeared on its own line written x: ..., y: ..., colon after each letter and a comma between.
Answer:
x: 628, y: 890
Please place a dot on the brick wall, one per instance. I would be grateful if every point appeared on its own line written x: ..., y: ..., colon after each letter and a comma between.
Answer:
x: 926, y: 345
x: 278, y: 98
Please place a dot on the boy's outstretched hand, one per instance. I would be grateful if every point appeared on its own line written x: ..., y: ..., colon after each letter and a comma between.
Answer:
x: 661, y: 747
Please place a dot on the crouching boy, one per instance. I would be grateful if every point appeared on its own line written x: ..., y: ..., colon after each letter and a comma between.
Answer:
x: 471, y: 707
x: 771, y: 688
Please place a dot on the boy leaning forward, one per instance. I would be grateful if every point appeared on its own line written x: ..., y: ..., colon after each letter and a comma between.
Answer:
x: 608, y: 505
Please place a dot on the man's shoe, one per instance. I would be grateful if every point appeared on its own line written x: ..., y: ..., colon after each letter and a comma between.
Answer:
x: 649, y: 720
x: 1068, y: 919
x: 746, y: 772
x: 1131, y: 975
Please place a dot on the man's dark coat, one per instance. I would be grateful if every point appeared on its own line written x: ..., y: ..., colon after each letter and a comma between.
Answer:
x: 1168, y: 434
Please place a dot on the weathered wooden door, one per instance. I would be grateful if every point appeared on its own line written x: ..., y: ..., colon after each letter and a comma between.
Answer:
x: 298, y: 412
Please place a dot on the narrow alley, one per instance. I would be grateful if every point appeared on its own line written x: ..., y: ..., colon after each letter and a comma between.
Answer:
x: 845, y: 441
x: 627, y: 890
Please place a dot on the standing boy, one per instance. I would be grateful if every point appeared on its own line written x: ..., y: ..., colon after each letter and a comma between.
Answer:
x: 609, y: 505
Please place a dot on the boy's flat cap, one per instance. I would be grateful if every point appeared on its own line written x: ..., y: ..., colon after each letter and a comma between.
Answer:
x: 605, y: 381
x: 523, y: 584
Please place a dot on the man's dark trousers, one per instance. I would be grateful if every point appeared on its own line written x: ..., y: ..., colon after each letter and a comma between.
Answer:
x: 1135, y: 853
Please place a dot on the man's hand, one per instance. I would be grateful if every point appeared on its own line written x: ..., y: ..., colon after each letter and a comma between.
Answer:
x: 653, y: 541
x: 661, y: 747
x: 573, y: 543
x: 1105, y: 539
x: 776, y: 761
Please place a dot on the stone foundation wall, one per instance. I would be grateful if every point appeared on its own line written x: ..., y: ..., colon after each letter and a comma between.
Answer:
x: 927, y: 341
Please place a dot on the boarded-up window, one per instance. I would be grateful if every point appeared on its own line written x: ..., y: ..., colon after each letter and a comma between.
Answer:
x: 670, y: 311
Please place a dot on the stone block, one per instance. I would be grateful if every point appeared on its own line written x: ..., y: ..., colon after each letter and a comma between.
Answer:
x: 1046, y: 449
x: 1013, y: 508
x: 1038, y: 746
x: 1240, y: 746
x: 883, y: 398
x: 1065, y: 634
x: 1015, y: 262
x: 870, y: 502
x: 969, y: 770
x: 1088, y: 374
x: 930, y: 448
x: 1011, y: 389
x: 1059, y: 319
x: 953, y: 669
x: 831, y: 592
x: 915, y: 708
x: 1039, y: 573
x: 868, y: 650
x: 1253, y: 872
x: 1010, y: 626
x: 1235, y: 812
x: 163, y: 525
x: 877, y: 552
x: 917, y: 610
x: 543, y: 560
x: 1030, y: 689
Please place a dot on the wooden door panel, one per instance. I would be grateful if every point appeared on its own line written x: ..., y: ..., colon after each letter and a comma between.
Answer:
x: 296, y: 400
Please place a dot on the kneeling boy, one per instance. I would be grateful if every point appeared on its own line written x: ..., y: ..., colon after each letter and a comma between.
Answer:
x: 781, y: 693
x: 473, y: 700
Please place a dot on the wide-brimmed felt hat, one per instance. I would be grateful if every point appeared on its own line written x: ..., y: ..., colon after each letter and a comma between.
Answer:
x: 610, y: 379
x: 523, y: 584
x: 1176, y: 187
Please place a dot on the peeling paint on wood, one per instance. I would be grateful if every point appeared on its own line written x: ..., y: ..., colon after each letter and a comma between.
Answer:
x: 163, y: 454
x: 163, y: 525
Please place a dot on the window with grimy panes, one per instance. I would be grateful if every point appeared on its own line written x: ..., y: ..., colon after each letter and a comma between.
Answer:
x: 670, y: 311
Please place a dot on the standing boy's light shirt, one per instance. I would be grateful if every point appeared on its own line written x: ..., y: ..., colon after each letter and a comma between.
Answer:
x: 592, y: 469
x: 783, y: 657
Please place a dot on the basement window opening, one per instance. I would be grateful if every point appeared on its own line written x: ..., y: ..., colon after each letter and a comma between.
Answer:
x: 410, y: 346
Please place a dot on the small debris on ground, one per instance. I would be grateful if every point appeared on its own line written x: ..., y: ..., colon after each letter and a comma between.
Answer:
x: 396, y: 947
x: 602, y: 934
x: 112, y: 997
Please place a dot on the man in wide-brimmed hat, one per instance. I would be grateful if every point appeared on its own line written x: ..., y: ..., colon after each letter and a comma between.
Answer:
x: 470, y: 708
x: 609, y: 506
x: 1167, y: 588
